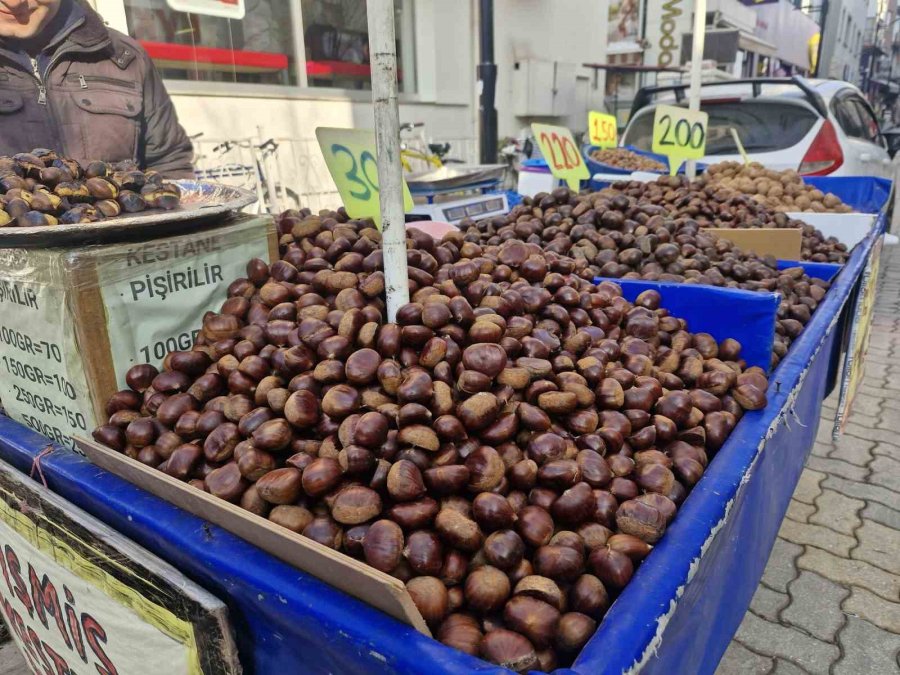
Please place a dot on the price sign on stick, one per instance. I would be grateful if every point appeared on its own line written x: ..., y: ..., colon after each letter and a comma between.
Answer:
x: 561, y: 153
x: 602, y: 129
x: 350, y: 157
x: 679, y: 134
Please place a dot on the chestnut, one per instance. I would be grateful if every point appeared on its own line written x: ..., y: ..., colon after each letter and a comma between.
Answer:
x: 383, y: 545
x: 430, y: 597
x: 462, y: 632
x: 424, y: 553
x: 486, y: 589
x: 509, y: 649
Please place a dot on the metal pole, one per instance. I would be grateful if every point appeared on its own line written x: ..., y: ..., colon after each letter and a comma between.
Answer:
x: 821, y: 37
x: 487, y: 84
x: 697, y: 43
x: 383, y: 60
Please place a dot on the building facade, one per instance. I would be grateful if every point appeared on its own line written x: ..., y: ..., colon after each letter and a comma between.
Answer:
x: 290, y: 66
x: 843, y: 39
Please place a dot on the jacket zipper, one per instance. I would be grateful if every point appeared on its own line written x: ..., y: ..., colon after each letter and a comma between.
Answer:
x: 42, y: 90
x: 84, y: 79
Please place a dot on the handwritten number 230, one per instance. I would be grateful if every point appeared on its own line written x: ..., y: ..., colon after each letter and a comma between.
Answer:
x: 359, y: 174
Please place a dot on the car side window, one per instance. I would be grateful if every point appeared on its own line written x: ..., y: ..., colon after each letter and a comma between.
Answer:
x: 848, y: 117
x: 869, y: 123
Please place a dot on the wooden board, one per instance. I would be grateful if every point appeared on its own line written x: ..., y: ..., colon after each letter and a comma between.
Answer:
x: 352, y: 576
x: 59, y: 563
x: 783, y: 243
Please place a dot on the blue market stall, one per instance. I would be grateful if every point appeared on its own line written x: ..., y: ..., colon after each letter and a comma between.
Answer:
x: 677, y: 616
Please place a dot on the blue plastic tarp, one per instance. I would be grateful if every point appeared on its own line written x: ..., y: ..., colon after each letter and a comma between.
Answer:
x: 864, y: 194
x: 677, y: 616
x: 746, y: 316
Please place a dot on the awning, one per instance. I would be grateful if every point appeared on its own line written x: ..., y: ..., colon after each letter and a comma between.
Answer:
x: 751, y: 43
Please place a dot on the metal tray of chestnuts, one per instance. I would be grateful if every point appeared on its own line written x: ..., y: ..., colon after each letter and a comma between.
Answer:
x: 200, y: 202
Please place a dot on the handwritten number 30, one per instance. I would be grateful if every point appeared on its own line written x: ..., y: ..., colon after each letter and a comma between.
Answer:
x: 359, y: 174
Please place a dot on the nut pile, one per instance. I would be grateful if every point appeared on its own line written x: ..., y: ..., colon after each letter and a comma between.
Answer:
x: 717, y: 206
x: 41, y: 188
x: 511, y: 448
x: 618, y: 236
x: 777, y: 190
x: 626, y: 159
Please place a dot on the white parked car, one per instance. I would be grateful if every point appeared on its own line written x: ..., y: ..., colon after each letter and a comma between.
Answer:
x: 818, y: 127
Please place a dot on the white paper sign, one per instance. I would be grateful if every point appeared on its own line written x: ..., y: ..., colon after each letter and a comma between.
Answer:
x: 67, y: 615
x: 227, y: 9
x: 155, y: 293
x: 42, y: 382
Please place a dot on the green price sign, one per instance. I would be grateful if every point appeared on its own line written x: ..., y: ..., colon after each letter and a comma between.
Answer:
x: 350, y: 157
x: 679, y: 134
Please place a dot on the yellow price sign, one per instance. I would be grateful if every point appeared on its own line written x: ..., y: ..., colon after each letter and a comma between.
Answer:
x: 679, y: 134
x: 602, y: 129
x: 562, y: 155
x: 350, y: 157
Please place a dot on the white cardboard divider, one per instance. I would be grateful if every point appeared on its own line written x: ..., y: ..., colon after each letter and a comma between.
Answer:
x: 848, y: 228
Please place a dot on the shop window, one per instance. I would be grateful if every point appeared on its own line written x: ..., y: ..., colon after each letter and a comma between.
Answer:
x: 319, y: 43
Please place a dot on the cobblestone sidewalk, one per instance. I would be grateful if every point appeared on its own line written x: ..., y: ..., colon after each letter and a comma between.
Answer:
x: 829, y: 601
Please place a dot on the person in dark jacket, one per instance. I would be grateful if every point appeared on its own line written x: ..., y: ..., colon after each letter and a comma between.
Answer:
x: 71, y: 84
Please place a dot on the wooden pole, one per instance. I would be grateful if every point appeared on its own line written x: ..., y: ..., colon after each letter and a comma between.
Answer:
x: 697, y: 43
x: 383, y: 59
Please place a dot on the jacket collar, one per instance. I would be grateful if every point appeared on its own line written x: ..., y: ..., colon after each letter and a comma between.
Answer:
x: 82, y: 30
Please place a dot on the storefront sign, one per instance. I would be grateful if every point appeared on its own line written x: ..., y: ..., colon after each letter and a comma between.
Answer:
x: 602, y: 129
x: 78, y: 597
x: 667, y: 21
x: 562, y: 155
x: 350, y: 157
x: 679, y: 134
x: 861, y: 328
x: 226, y: 9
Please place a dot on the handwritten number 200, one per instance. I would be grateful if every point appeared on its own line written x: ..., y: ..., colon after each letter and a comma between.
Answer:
x: 686, y: 135
x: 359, y: 174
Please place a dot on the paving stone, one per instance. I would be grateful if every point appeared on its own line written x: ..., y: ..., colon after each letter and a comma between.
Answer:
x: 768, y: 603
x: 781, y: 568
x: 808, y: 486
x: 837, y: 512
x: 815, y: 605
x: 866, y: 605
x: 816, y: 535
x: 783, y: 667
x: 738, y: 660
x: 799, y: 511
x: 882, y: 514
x: 886, y: 472
x: 888, y: 450
x: 865, y: 491
x: 850, y: 572
x: 870, y: 433
x: 878, y: 545
x: 867, y: 649
x: 870, y: 405
x: 838, y: 467
x: 772, y: 639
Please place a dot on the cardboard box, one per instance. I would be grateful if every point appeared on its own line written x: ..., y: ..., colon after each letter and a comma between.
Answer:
x: 352, y: 576
x: 783, y: 243
x: 72, y: 322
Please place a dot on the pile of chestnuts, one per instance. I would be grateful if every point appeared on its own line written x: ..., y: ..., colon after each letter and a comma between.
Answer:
x: 511, y: 448
x: 42, y: 188
x: 713, y: 205
x: 778, y: 190
x: 622, y: 158
x: 617, y: 236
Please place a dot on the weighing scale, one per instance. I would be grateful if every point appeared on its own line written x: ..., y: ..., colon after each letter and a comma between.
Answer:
x: 457, y: 192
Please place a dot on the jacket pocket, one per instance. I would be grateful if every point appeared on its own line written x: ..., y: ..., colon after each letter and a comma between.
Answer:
x: 10, y: 102
x: 109, y: 124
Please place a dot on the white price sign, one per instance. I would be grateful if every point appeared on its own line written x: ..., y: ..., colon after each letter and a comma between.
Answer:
x: 226, y: 9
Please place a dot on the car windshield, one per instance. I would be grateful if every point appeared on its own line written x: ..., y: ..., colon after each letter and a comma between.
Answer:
x: 763, y: 126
